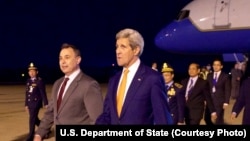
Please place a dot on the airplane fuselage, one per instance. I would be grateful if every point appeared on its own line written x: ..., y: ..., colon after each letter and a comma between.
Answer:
x: 208, y: 26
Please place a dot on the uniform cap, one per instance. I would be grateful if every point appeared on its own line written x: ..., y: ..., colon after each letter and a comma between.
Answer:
x: 166, y: 68
x: 32, y: 67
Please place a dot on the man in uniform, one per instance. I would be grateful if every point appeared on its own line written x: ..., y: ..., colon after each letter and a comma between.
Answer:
x: 172, y: 90
x: 34, y: 99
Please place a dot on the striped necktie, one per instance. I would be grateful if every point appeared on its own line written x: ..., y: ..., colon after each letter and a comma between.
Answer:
x: 190, y: 88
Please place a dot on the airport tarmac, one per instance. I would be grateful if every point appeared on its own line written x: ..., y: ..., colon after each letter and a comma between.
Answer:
x: 14, y: 119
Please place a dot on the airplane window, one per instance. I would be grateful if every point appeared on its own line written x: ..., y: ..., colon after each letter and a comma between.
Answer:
x: 183, y: 14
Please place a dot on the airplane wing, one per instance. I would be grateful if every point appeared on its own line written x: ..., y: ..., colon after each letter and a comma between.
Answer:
x: 233, y: 57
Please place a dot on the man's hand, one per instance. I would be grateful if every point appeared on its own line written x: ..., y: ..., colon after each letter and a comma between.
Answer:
x: 46, y: 106
x: 213, y: 117
x: 233, y: 116
x: 225, y: 105
x: 26, y: 109
x: 180, y: 123
x: 37, y: 138
x: 238, y: 78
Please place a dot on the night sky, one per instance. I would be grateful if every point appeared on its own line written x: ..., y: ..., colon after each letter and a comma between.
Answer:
x: 33, y: 31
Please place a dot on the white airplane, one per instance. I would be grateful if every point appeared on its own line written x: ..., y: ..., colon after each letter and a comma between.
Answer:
x: 209, y: 27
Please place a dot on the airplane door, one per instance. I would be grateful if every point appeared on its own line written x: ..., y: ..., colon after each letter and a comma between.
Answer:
x: 221, y: 19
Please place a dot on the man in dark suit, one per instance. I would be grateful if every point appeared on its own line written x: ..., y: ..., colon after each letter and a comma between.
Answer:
x: 143, y: 99
x: 173, y: 90
x: 243, y: 102
x: 80, y: 103
x: 35, y: 98
x: 220, y: 89
x: 236, y: 76
x: 196, y: 93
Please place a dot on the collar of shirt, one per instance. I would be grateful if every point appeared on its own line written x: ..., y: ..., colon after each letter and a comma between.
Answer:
x: 132, y: 70
x: 33, y: 78
x: 71, y: 78
x: 189, y: 81
x: 218, y: 74
x: 194, y: 80
x: 170, y: 83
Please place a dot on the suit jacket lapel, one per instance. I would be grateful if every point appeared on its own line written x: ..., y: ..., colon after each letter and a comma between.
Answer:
x: 210, y: 78
x: 114, y: 89
x: 67, y: 95
x: 185, y: 83
x: 195, y: 85
x: 136, y: 82
x: 220, y: 78
x: 69, y: 91
x: 57, y: 91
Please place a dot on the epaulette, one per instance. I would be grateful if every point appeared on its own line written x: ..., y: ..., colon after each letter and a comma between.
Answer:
x: 39, y: 78
x: 178, y: 85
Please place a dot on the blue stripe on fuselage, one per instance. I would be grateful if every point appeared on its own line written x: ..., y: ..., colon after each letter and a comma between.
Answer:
x: 184, y: 37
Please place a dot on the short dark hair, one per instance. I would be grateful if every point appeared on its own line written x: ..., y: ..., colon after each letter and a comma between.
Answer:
x: 76, y: 50
x: 196, y: 64
x: 218, y: 60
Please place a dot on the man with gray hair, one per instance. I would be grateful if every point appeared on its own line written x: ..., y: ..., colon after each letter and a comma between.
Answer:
x: 135, y: 95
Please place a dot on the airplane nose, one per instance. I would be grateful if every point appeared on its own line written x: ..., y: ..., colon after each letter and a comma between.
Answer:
x: 180, y: 37
x: 165, y: 38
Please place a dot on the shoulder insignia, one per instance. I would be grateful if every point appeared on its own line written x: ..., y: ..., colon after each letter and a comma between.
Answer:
x: 178, y: 85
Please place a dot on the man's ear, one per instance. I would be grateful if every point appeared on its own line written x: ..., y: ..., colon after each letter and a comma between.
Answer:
x: 199, y: 70
x: 137, y: 51
x: 79, y: 58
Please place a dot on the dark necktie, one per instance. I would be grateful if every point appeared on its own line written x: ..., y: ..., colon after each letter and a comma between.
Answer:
x: 215, y: 79
x: 167, y: 87
x: 59, y: 99
x: 190, y: 88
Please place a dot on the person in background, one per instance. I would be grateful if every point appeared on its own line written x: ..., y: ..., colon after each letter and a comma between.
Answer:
x: 154, y: 66
x: 209, y: 68
x: 196, y: 94
x: 136, y: 95
x: 173, y: 90
x: 220, y: 89
x: 35, y: 99
x: 243, y: 102
x: 236, y: 75
x: 76, y: 98
x: 203, y: 73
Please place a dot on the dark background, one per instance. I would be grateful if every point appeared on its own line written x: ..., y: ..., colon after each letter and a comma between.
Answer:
x: 33, y: 31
